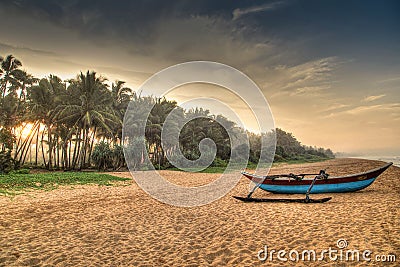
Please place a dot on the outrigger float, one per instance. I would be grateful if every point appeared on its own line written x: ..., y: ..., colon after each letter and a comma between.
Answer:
x: 321, y: 183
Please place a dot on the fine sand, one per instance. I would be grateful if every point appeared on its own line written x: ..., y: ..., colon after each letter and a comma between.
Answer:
x: 123, y: 226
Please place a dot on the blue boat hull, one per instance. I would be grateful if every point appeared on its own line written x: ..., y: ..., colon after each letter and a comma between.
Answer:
x: 318, y: 188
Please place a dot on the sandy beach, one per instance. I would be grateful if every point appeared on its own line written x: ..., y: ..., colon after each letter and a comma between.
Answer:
x: 123, y: 226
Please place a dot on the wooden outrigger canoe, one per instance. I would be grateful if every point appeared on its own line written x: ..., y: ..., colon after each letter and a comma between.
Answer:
x: 297, y: 185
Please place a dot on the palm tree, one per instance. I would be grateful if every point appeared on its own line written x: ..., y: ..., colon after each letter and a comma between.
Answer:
x: 121, y: 96
x: 23, y: 80
x: 9, y: 117
x: 9, y: 68
x: 161, y: 109
x: 135, y: 124
x: 44, y: 99
x: 89, y: 108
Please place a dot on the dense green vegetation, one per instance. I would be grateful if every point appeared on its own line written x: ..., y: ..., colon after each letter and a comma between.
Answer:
x: 20, y: 180
x: 77, y: 124
x: 288, y: 148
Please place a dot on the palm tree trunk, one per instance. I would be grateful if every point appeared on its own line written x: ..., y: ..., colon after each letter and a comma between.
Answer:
x: 5, y: 84
x: 76, y: 148
x: 56, y: 152
x: 50, y: 144
x: 69, y: 153
x: 62, y: 160
x: 44, y: 158
x: 83, y: 149
x: 91, y: 146
x: 37, y: 146
x: 19, y: 147
x: 65, y: 160
x: 24, y: 153
x: 86, y: 145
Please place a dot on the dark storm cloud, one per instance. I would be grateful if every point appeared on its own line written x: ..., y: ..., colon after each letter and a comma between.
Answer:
x: 138, y: 23
x: 337, y: 27
x: 132, y: 19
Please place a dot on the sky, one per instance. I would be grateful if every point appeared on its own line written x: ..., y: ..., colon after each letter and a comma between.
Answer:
x: 330, y: 70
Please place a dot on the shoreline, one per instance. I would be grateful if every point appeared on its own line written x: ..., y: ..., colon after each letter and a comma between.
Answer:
x: 394, y: 159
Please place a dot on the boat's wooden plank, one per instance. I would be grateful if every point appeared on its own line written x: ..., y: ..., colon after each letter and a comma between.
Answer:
x: 283, y: 200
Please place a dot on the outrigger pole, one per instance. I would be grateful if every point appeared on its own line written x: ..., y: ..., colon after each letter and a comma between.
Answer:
x: 321, y: 175
x: 254, y: 188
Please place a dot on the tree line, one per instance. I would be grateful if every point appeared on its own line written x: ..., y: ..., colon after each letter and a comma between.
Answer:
x: 77, y: 123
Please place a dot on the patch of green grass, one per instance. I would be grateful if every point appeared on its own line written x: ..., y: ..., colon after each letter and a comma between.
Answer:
x: 20, y: 171
x: 207, y: 170
x: 12, y: 183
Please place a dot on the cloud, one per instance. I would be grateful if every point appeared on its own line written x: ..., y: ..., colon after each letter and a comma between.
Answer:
x: 12, y: 49
x: 309, y: 78
x: 335, y: 106
x: 373, y: 98
x: 309, y: 90
x: 389, y: 80
x: 393, y: 108
x: 239, y: 12
x: 362, y: 109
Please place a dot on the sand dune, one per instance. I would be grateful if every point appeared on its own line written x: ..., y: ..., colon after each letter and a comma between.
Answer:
x: 123, y: 226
